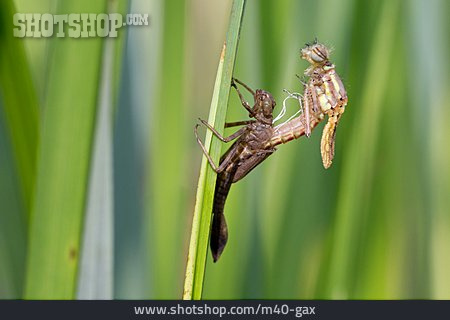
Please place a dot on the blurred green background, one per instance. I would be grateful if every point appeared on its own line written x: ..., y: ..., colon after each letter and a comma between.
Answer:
x: 99, y: 165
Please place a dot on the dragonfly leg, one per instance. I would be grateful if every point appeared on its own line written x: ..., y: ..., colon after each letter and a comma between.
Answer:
x: 218, y: 135
x: 307, y: 119
x: 264, y: 151
x: 245, y: 104
x: 238, y: 123
x: 301, y: 79
x: 205, y: 152
x: 242, y: 84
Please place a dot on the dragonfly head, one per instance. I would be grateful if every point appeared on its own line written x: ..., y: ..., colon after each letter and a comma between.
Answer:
x: 264, y: 103
x: 315, y: 53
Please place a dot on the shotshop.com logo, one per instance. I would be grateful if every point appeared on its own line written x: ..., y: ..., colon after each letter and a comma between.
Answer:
x: 74, y: 25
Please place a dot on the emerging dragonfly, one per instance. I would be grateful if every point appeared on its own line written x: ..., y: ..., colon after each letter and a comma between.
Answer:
x: 324, y: 93
x: 250, y: 149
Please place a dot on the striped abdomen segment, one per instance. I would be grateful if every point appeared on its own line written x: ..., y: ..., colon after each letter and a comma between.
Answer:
x: 331, y: 92
x: 219, y: 230
x: 223, y: 184
x: 291, y: 130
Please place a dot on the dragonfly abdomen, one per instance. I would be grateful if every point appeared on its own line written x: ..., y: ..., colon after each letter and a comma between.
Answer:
x: 291, y: 130
x: 329, y: 90
x: 219, y: 229
x: 223, y: 184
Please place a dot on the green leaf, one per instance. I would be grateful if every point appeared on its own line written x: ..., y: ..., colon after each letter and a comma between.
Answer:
x: 359, y: 163
x: 20, y: 103
x: 19, y: 135
x: 167, y: 169
x: 198, y: 247
x: 63, y: 162
x: 96, y: 274
x: 12, y: 222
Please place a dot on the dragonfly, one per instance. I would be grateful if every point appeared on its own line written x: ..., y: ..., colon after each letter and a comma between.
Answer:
x: 323, y: 94
x: 250, y: 149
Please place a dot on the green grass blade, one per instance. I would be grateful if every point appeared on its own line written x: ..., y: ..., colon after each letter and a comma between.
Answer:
x: 131, y: 133
x: 240, y: 206
x: 64, y: 157
x: 96, y: 275
x: 96, y: 269
x: 37, y: 49
x: 198, y: 247
x: 430, y: 102
x: 12, y: 222
x: 19, y: 135
x: 168, y: 123
x: 20, y: 103
x: 359, y: 161
x: 118, y: 6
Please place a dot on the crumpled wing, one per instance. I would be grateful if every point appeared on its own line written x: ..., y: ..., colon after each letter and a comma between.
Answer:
x: 249, y: 164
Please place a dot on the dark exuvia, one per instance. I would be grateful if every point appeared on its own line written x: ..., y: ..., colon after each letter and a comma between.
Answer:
x: 249, y: 150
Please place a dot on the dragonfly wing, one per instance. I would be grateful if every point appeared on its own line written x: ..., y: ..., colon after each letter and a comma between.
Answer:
x: 249, y: 164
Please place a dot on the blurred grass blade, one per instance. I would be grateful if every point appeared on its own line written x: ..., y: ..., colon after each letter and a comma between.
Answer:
x: 359, y: 165
x: 37, y: 49
x: 198, y: 247
x: 131, y: 126
x: 20, y: 103
x: 64, y: 157
x: 118, y: 6
x: 96, y: 275
x: 96, y: 268
x: 12, y: 221
x: 19, y: 135
x: 429, y: 24
x: 167, y: 169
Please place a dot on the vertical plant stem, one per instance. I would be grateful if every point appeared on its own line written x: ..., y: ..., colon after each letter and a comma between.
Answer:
x: 198, y: 248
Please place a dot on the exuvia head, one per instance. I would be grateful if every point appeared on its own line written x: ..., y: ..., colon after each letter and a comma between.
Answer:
x: 264, y: 103
x: 315, y: 53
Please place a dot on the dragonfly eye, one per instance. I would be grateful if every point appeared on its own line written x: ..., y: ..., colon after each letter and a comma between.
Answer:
x: 315, y: 53
x: 319, y: 54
